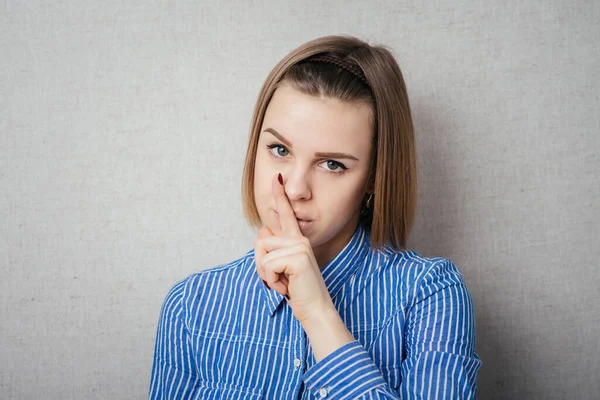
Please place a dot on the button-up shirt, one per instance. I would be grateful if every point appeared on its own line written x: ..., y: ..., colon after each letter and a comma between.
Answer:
x: 223, y: 335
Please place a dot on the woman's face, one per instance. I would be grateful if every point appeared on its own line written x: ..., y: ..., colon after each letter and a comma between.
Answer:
x: 323, y: 148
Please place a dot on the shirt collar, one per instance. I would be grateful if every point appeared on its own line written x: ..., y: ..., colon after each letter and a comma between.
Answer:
x: 335, y: 273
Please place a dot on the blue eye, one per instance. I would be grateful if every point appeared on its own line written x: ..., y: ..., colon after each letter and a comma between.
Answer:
x: 278, y: 150
x: 334, y: 166
x: 280, y: 153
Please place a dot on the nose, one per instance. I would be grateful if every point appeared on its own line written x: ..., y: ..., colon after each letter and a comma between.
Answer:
x: 297, y: 184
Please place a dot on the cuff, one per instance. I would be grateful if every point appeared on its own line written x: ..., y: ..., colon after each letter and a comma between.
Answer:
x: 346, y: 373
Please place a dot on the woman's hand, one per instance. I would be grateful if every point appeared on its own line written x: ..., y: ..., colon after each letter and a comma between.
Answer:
x: 287, y: 264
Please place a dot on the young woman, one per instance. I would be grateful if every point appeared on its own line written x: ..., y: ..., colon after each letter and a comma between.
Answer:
x: 329, y: 303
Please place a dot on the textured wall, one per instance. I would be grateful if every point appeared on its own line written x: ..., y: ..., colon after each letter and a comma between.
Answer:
x: 122, y: 132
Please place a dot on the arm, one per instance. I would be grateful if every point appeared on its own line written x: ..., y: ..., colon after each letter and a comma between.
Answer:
x: 440, y: 356
x: 286, y: 262
x: 173, y: 371
x: 440, y: 338
x: 344, y: 369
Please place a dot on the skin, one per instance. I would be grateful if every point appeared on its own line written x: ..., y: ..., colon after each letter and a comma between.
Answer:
x: 330, y: 199
x: 296, y: 130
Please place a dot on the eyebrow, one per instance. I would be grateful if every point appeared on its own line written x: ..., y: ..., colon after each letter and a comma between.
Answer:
x: 318, y: 154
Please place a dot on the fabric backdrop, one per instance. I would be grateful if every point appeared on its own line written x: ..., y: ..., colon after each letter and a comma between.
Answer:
x: 123, y: 126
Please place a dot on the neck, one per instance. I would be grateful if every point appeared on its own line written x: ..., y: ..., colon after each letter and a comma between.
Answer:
x: 327, y: 251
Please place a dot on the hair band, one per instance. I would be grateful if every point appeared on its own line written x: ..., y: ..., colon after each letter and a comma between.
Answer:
x: 352, y: 68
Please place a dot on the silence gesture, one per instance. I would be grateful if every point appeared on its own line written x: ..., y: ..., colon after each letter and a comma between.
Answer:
x: 286, y: 262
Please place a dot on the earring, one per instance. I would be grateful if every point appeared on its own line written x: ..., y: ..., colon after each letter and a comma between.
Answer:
x: 368, y: 203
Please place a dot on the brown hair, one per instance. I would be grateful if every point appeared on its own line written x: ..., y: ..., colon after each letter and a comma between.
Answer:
x: 394, y: 179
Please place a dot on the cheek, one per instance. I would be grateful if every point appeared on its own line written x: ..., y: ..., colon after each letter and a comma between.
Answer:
x: 262, y: 164
x: 343, y: 198
x: 262, y: 181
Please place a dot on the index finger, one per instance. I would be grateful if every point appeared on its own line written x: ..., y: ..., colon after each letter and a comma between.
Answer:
x: 287, y: 218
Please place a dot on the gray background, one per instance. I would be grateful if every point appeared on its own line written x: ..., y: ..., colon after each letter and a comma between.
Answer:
x: 123, y: 127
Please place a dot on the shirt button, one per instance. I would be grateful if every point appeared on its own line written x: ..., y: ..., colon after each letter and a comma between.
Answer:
x: 323, y: 392
x: 297, y: 363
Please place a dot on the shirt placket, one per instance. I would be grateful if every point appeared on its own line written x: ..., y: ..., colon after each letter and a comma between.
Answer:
x: 299, y: 351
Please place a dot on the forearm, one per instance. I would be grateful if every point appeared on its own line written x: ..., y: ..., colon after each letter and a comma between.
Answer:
x: 326, y: 332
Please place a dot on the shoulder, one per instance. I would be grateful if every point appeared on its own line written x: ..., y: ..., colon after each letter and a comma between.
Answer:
x: 237, y: 269
x: 414, y: 267
x: 419, y: 276
x: 212, y: 283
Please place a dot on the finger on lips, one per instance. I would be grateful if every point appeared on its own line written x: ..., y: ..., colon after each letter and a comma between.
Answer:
x: 287, y: 217
x: 270, y: 248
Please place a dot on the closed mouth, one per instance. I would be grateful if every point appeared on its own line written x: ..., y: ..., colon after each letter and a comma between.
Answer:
x: 297, y: 218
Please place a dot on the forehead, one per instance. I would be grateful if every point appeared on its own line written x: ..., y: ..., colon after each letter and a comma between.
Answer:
x: 319, y: 122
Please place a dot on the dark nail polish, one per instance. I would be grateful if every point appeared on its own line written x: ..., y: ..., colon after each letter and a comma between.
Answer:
x: 280, y: 178
x: 266, y: 284
x: 287, y: 296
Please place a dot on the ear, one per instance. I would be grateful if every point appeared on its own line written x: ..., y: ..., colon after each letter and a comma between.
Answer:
x: 371, y: 179
x: 371, y: 184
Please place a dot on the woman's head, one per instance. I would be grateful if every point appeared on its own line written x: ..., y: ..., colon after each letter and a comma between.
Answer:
x: 335, y: 95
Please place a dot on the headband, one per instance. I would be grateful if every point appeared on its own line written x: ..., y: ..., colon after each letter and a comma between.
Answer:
x: 350, y: 67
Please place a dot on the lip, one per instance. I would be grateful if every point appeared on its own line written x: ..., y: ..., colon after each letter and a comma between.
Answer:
x: 300, y: 217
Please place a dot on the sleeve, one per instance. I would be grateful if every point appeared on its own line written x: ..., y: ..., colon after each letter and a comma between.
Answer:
x: 440, y: 363
x: 173, y: 371
x: 347, y: 373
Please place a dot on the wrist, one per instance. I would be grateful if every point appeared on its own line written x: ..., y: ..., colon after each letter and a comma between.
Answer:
x: 318, y: 315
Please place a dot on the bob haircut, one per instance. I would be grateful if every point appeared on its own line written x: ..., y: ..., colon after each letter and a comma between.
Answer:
x: 393, y: 177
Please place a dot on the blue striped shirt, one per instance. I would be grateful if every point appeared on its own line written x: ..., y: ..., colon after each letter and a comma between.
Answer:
x: 223, y: 335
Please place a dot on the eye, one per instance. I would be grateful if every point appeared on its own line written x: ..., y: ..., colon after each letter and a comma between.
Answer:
x: 278, y: 150
x: 334, y: 166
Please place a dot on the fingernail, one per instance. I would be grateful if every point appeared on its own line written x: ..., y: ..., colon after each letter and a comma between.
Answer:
x: 287, y: 296
x: 266, y: 284
x: 280, y: 178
